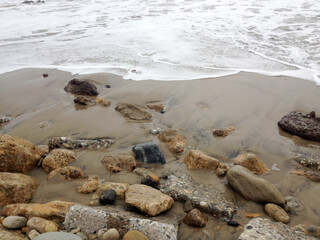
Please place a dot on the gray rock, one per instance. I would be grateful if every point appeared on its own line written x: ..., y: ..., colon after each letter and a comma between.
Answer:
x: 70, y: 143
x: 252, y: 187
x: 182, y: 187
x: 264, y: 229
x: 148, y: 153
x: 81, y: 87
x: 15, y: 222
x: 57, y: 235
x: 5, y: 119
x: 294, y: 204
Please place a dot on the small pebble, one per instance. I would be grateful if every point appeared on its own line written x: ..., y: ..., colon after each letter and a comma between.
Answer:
x: 107, y: 197
x: 45, y: 75
x: 111, y: 234
x: 233, y: 223
x: 107, y: 86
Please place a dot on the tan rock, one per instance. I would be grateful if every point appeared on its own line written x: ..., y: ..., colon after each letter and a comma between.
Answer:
x: 18, y: 155
x: 16, y: 188
x: 89, y: 186
x: 33, y: 234
x: 42, y: 225
x: 277, y: 213
x: 118, y: 163
x: 135, y: 235
x: 44, y: 148
x: 155, y: 107
x: 133, y: 112
x: 55, y: 210
x: 120, y: 189
x: 102, y: 101
x: 147, y: 199
x: 223, y: 132
x: 251, y: 162
x: 58, y: 158
x: 175, y: 141
x: 195, y: 218
x: 67, y: 173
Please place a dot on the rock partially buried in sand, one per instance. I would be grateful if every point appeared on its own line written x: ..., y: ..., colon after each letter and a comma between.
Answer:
x: 57, y: 158
x: 103, y: 102
x: 148, y: 153
x: 175, y: 140
x: 42, y: 225
x: 68, y: 173
x: 133, y: 112
x: 195, y: 218
x: 18, y: 155
x: 223, y: 132
x: 156, y: 107
x: 17, y: 188
x: 81, y: 87
x: 89, y: 186
x: 277, y: 213
x: 252, y: 187
x: 118, y: 163
x: 303, y: 125
x: 82, y: 100
x: 120, y: 189
x: 70, y: 143
x: 251, y: 162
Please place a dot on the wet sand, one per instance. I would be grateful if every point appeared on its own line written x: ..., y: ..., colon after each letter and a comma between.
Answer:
x: 252, y: 103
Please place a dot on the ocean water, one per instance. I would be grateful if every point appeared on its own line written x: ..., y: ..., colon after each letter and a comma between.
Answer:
x: 163, y: 39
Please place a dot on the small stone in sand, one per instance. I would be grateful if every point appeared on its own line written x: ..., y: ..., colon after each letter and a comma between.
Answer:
x: 107, y: 196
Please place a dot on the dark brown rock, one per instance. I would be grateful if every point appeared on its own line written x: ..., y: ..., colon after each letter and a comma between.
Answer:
x: 81, y: 87
x: 196, y: 218
x: 84, y: 101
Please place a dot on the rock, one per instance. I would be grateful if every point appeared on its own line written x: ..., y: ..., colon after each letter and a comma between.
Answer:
x: 57, y: 158
x: 146, y: 173
x: 182, y: 187
x: 44, y: 148
x: 148, y: 153
x: 223, y: 132
x: 277, y: 213
x: 55, y: 210
x: 5, y: 119
x: 57, y: 235
x: 107, y: 86
x: 264, y: 229
x: 197, y: 159
x: 107, y: 197
x: 81, y: 87
x: 11, y: 235
x: 120, y: 189
x: 187, y: 207
x: 89, y: 186
x: 156, y: 107
x: 101, y: 232
x: 119, y: 163
x: 313, y: 176
x: 150, y: 182
x: 111, y: 234
x: 175, y: 140
x: 69, y: 143
x: 103, y: 102
x: 42, y: 225
x: 33, y: 234
x: 303, y: 125
x: 221, y: 171
x: 294, y: 204
x: 312, y: 162
x: 252, y: 187
x: 82, y: 236
x: 16, y: 188
x: 195, y: 218
x: 147, y: 199
x: 18, y: 155
x: 251, y: 162
x: 15, y: 222
x: 135, y: 235
x: 156, y: 131
x: 311, y: 230
x: 68, y: 173
x: 82, y: 100
x: 133, y: 112
x: 233, y: 223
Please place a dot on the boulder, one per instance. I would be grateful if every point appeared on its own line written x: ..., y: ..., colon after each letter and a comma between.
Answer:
x: 14, y: 222
x: 103, y: 102
x: 70, y: 143
x: 195, y: 218
x: 11, y: 235
x: 223, y: 132
x: 252, y: 187
x: 120, y: 189
x: 175, y: 140
x: 57, y: 158
x: 89, y: 186
x: 277, y: 213
x: 57, y: 235
x: 16, y: 188
x: 118, y: 163
x: 107, y: 197
x: 135, y: 235
x: 147, y: 199
x: 68, y: 173
x: 251, y: 162
x: 18, y: 155
x: 306, y: 126
x: 156, y: 107
x: 148, y: 153
x: 42, y: 225
x: 81, y: 87
x: 82, y: 100
x: 133, y: 112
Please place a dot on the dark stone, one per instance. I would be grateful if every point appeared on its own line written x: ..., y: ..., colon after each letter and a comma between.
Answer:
x: 107, y: 197
x: 162, y: 111
x: 306, y: 126
x: 150, y: 182
x: 107, y: 86
x: 45, y: 75
x: 81, y: 87
x: 84, y: 101
x: 233, y: 223
x: 148, y: 153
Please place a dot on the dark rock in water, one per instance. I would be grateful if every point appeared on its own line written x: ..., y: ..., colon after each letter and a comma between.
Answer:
x: 195, y: 218
x: 148, y: 153
x: 70, y: 143
x: 107, y: 197
x: 107, y: 86
x: 84, y: 101
x: 303, y: 125
x: 81, y: 87
x: 45, y: 75
x: 233, y: 223
x: 150, y: 182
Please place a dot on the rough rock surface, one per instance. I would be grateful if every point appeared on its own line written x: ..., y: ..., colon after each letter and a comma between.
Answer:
x: 303, y: 125
x: 11, y: 235
x: 18, y: 155
x: 252, y: 187
x: 69, y: 143
x: 118, y: 163
x: 103, y: 102
x: 42, y: 225
x: 14, y: 222
x: 175, y: 140
x: 147, y: 199
x: 150, y: 182
x: 146, y: 173
x: 135, y: 235
x: 67, y: 173
x: 155, y: 107
x: 81, y: 87
x: 182, y: 187
x: 223, y: 132
x: 107, y: 197
x: 5, y: 119
x: 91, y: 220
x: 133, y: 112
x: 195, y: 218
x: 89, y: 186
x: 148, y: 153
x: 265, y: 229
x: 44, y: 148
x: 277, y: 213
x: 197, y: 159
x: 313, y: 176
x: 16, y: 188
x: 82, y: 100
x: 251, y: 162
x: 294, y: 204
x: 57, y: 235
x: 120, y: 189
x: 312, y: 162
x: 55, y: 210
x: 57, y: 158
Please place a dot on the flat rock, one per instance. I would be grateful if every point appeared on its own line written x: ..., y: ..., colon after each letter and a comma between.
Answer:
x: 89, y: 186
x: 133, y: 112
x: 118, y: 163
x: 277, y: 213
x: 182, y: 187
x: 14, y: 222
x: 195, y: 218
x: 148, y: 153
x: 82, y: 100
x: 264, y: 229
x: 11, y: 235
x: 42, y: 225
x: 70, y: 143
x: 18, y: 155
x: 81, y: 87
x: 294, y: 204
x: 175, y: 140
x: 57, y: 158
x: 156, y: 107
x: 120, y: 189
x: 251, y: 162
x: 147, y: 199
x: 17, y: 188
x: 57, y: 235
x: 223, y: 132
x: 306, y: 126
x: 252, y: 187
